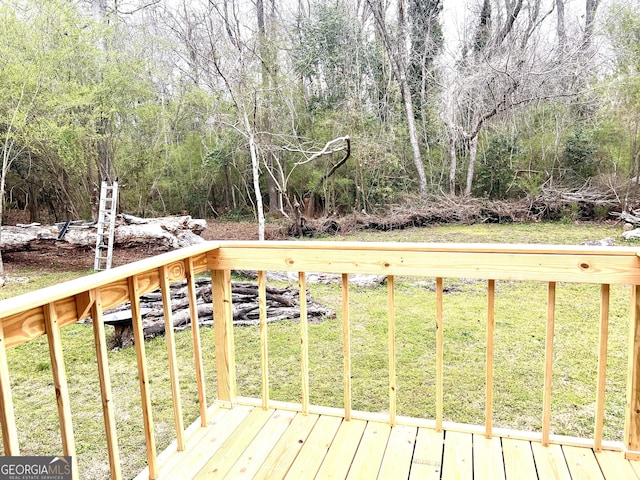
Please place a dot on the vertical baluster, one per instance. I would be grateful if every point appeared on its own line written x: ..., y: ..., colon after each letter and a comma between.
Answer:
x: 143, y: 377
x: 602, y: 365
x: 304, y: 342
x: 197, y: 344
x: 264, y: 346
x: 170, y: 339
x: 60, y: 383
x: 108, y: 413
x: 346, y: 346
x: 223, y: 331
x: 491, y: 292
x: 632, y: 409
x: 391, y: 307
x: 7, y: 416
x: 439, y: 356
x: 548, y: 364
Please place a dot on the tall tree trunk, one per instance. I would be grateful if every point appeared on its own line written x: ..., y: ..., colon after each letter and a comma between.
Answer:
x: 255, y: 170
x: 589, y: 21
x: 401, y: 65
x: 3, y: 181
x: 453, y: 160
x: 268, y: 81
x: 473, y: 152
x: 398, y: 58
x: 560, y: 28
x: 413, y: 137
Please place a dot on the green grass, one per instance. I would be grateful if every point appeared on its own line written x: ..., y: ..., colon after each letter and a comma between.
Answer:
x: 543, y: 232
x: 29, y: 279
x: 519, y: 356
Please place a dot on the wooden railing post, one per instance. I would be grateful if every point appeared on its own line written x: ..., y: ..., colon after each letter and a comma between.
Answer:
x: 108, y: 407
x: 52, y: 329
x: 7, y: 417
x: 264, y: 341
x: 223, y: 331
x: 143, y: 377
x: 632, y: 410
x: 169, y: 336
x: 439, y: 355
x: 197, y: 344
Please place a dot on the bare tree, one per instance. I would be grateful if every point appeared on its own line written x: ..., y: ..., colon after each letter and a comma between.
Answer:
x: 509, y: 64
x: 397, y: 48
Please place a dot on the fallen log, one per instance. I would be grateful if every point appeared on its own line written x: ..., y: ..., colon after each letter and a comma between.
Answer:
x: 627, y: 217
x: 282, y: 304
x: 164, y: 232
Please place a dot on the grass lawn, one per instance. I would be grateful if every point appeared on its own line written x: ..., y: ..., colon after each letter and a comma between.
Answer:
x: 519, y: 356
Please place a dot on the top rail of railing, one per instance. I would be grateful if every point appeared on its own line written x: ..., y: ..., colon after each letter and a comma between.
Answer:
x: 22, y: 317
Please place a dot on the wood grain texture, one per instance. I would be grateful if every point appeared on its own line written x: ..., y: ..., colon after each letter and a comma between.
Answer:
x: 457, y: 460
x: 304, y: 343
x: 582, y: 463
x: 518, y: 459
x: 426, y: 463
x: 343, y: 448
x: 264, y: 345
x: 603, y: 338
x: 632, y: 407
x: 346, y: 346
x: 397, y: 456
x: 548, y: 363
x: 468, y: 261
x: 170, y: 339
x: 197, y: 344
x: 391, y: 347
x: 487, y: 458
x: 108, y: 407
x: 260, y: 447
x: 221, y: 462
x: 368, y: 459
x: 315, y: 449
x: 439, y: 355
x: 59, y: 380
x: 143, y: 379
x: 286, y: 450
x: 614, y: 466
x: 550, y: 462
x: 223, y: 331
x: 488, y: 409
x: 7, y: 414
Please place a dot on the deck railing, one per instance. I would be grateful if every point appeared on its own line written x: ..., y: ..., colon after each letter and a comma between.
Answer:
x: 46, y: 312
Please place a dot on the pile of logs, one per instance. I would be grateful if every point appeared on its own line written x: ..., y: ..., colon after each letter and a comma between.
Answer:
x: 282, y: 304
x: 164, y: 232
x: 631, y: 223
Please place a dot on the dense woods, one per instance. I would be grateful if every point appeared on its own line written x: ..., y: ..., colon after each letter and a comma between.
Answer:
x: 234, y: 107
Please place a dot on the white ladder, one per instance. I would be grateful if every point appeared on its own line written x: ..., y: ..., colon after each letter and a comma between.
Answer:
x: 106, y: 225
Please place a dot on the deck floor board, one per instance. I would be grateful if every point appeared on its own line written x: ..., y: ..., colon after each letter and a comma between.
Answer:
x: 550, y: 462
x: 337, y: 464
x: 457, y: 460
x: 315, y: 449
x: 487, y: 458
x: 368, y: 459
x: 252, y: 443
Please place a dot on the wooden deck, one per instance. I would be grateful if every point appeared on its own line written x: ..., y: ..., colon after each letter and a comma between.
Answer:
x: 248, y: 442
x: 261, y: 438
